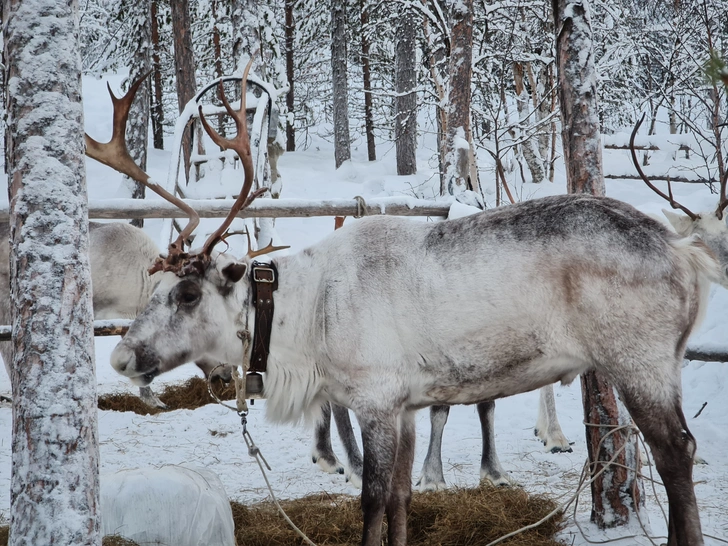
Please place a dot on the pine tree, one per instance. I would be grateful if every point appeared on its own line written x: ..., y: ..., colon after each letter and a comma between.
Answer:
x: 55, y: 462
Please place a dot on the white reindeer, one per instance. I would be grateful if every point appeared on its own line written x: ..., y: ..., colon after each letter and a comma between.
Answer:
x: 119, y: 256
x: 377, y: 318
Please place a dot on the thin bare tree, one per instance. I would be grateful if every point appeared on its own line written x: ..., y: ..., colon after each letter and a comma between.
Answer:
x: 617, y: 491
x: 342, y: 145
x: 458, y: 158
x: 137, y: 130
x: 405, y: 97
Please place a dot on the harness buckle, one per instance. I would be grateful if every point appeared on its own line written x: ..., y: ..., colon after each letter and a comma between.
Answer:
x: 268, y: 272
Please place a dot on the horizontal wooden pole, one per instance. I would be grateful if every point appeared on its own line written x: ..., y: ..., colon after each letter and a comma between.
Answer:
x: 706, y: 356
x: 117, y: 327
x: 110, y: 209
x: 665, y: 178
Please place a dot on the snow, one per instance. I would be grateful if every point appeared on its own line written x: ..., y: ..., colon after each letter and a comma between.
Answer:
x: 210, y: 437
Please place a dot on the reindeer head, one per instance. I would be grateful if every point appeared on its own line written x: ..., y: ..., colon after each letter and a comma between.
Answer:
x: 188, y: 315
x: 709, y: 226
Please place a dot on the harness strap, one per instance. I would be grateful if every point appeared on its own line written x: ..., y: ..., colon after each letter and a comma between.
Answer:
x: 264, y: 281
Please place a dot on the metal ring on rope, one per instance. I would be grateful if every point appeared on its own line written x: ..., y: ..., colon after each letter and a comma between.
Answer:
x: 361, y: 206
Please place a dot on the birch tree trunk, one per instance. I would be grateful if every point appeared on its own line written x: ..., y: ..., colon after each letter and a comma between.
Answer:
x: 342, y: 147
x: 457, y: 153
x: 137, y: 130
x: 54, y: 489
x: 617, y: 491
x: 529, y: 146
x: 405, y: 97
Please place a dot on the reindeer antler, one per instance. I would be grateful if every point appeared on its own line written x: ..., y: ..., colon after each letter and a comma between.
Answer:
x: 115, y: 154
x: 241, y: 145
x: 674, y: 204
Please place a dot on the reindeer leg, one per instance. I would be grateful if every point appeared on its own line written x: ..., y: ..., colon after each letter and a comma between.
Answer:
x: 659, y: 416
x: 401, y: 494
x: 490, y: 467
x: 348, y: 439
x: 431, y: 477
x: 379, y: 430
x: 322, y: 453
x: 548, y: 428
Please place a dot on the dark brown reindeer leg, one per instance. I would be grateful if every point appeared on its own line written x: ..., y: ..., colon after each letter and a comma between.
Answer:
x: 322, y: 453
x: 431, y: 476
x: 401, y: 494
x: 490, y: 467
x: 348, y: 439
x: 379, y: 430
x: 660, y: 418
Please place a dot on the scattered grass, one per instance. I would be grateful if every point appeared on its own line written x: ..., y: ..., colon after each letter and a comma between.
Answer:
x: 191, y: 394
x: 466, y: 517
x: 462, y: 517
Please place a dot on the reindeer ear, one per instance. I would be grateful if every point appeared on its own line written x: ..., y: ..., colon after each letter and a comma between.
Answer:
x: 680, y: 222
x: 234, y: 271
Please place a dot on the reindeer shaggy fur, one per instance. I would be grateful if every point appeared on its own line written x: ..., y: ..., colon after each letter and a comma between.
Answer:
x: 386, y: 316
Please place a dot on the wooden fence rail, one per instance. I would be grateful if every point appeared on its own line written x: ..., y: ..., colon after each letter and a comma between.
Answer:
x: 110, y: 209
x: 114, y: 327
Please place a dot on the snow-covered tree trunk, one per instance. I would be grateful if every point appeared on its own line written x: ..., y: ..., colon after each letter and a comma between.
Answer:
x: 184, y: 65
x: 529, y: 145
x: 617, y: 491
x: 457, y: 154
x: 290, y: 31
x: 54, y: 489
x: 137, y: 130
x: 157, y: 107
x: 342, y: 146
x: 405, y: 97
x: 246, y: 38
x: 367, y: 81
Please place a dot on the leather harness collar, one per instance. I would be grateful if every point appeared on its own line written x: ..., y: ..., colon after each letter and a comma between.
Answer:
x: 264, y: 281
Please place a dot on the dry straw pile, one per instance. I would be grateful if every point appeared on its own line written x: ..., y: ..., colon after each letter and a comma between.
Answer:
x: 458, y: 517
x: 191, y: 394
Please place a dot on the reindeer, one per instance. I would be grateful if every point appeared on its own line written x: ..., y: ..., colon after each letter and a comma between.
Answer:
x: 120, y: 255
x: 377, y: 318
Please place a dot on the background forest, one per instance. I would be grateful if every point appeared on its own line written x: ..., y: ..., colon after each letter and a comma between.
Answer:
x: 650, y: 58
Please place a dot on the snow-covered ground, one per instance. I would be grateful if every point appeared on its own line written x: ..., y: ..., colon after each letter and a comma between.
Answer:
x: 211, y: 436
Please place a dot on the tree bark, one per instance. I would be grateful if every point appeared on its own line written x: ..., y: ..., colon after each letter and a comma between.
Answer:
x: 458, y: 138
x: 367, y: 77
x: 184, y: 64
x: 405, y: 98
x: 617, y: 488
x: 580, y: 134
x: 157, y: 108
x: 290, y: 33
x: 529, y: 146
x: 54, y: 488
x: 342, y: 147
x: 137, y: 130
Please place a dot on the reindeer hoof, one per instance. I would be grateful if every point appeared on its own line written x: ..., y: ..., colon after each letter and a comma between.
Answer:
x: 354, y: 479
x: 561, y: 449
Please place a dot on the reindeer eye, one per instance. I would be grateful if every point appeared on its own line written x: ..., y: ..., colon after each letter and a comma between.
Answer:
x: 187, y: 293
x: 189, y: 297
